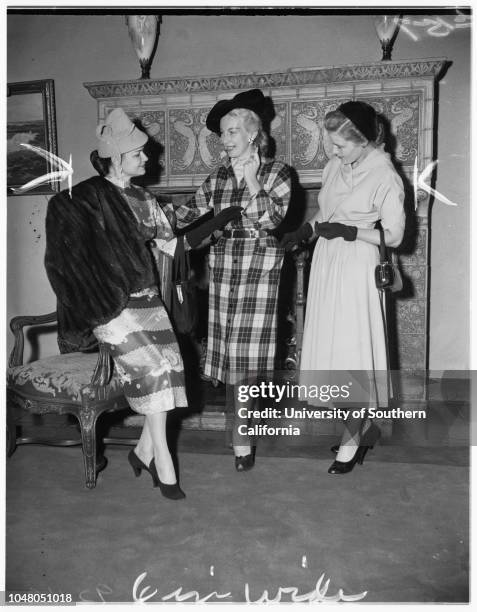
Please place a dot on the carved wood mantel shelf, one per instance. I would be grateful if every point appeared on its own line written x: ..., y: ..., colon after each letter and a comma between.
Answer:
x: 293, y: 77
x: 173, y: 112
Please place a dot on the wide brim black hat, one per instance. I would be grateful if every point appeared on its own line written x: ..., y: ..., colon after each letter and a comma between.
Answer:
x: 253, y: 100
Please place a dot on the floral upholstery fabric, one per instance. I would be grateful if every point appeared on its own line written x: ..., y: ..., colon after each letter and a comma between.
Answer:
x: 59, y: 377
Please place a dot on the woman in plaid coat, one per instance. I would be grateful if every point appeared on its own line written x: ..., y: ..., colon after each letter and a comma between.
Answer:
x: 246, y: 261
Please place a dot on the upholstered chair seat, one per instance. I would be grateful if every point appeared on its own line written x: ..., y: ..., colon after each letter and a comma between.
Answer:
x: 77, y: 383
x: 59, y: 378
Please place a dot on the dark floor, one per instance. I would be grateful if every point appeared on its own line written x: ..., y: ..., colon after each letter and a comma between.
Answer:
x: 396, y: 528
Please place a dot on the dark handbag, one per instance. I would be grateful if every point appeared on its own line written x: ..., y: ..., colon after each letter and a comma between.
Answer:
x: 183, y: 299
x: 387, y: 274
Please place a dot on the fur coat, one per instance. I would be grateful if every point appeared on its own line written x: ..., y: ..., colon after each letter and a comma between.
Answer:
x: 95, y: 258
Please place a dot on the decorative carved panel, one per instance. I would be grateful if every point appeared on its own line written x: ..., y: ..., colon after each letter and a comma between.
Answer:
x: 192, y: 147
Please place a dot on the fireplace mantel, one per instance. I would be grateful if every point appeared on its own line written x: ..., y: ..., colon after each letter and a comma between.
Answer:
x: 292, y: 77
x: 173, y: 111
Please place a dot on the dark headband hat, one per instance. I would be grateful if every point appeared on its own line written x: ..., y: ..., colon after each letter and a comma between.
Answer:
x: 253, y: 100
x: 363, y: 116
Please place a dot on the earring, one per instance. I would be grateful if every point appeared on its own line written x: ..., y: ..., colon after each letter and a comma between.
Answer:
x: 250, y: 140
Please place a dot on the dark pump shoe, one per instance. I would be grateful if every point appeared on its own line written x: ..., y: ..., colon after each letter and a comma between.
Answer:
x: 343, y: 467
x: 171, y: 491
x: 138, y: 466
x: 245, y: 463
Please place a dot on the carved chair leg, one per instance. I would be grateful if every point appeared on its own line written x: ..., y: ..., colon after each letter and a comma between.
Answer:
x: 87, y: 418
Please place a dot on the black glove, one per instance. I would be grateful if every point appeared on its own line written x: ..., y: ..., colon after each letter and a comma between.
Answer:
x: 336, y: 230
x: 293, y: 239
x: 198, y: 234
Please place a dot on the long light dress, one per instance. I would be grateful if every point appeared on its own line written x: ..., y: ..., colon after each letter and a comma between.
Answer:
x: 344, y: 323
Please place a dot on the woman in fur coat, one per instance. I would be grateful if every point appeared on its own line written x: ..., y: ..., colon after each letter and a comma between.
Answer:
x: 107, y: 282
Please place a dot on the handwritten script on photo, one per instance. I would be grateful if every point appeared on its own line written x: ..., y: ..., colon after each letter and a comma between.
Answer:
x: 435, y: 25
x: 317, y: 595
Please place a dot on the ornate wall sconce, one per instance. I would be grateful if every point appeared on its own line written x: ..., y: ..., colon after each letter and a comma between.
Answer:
x: 143, y: 30
x: 387, y: 28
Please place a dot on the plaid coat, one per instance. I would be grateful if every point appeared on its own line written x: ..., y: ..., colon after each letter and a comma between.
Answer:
x: 244, y: 272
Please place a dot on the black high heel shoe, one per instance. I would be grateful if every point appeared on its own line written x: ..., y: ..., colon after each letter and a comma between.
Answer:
x: 343, y: 467
x: 244, y: 463
x: 171, y: 491
x: 137, y: 466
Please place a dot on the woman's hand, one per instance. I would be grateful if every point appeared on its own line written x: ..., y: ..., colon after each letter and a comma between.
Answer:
x: 250, y: 169
x: 291, y: 240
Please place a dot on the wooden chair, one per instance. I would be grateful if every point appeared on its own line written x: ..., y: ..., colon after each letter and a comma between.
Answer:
x: 81, y: 384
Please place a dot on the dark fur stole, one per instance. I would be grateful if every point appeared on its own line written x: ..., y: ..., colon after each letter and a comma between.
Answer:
x: 95, y: 257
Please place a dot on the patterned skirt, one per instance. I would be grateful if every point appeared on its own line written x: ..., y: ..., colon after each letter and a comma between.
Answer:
x: 144, y: 348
